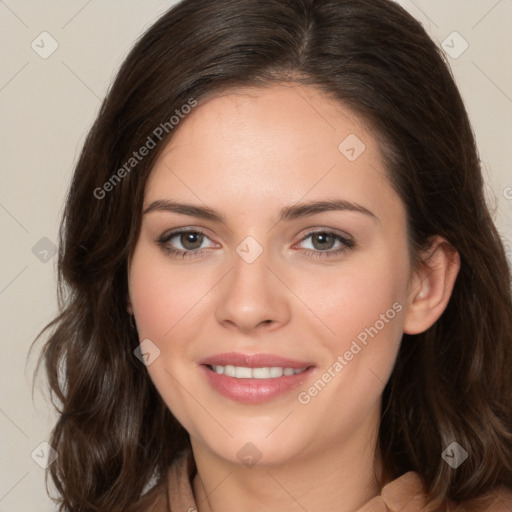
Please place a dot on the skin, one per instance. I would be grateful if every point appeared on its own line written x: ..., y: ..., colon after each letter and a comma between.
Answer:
x: 247, y: 154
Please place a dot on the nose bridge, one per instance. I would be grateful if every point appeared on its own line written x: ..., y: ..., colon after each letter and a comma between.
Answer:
x: 251, y: 295
x: 250, y: 272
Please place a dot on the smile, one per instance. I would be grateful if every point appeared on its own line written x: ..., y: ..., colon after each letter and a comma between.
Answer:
x: 244, y: 372
x: 255, y: 378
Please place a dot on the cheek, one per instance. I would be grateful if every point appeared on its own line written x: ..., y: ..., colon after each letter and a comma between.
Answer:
x: 166, y: 302
x: 363, y: 311
x: 164, y: 297
x: 358, y: 296
x: 364, y: 315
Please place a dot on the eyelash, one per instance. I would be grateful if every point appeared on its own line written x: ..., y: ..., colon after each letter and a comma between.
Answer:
x: 164, y: 240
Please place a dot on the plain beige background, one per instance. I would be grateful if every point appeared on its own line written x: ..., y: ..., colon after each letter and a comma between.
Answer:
x: 48, y: 104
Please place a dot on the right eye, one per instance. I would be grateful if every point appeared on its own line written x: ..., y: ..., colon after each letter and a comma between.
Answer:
x: 184, y: 242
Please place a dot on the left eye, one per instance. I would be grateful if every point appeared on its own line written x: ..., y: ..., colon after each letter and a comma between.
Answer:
x: 325, y: 240
x: 326, y: 243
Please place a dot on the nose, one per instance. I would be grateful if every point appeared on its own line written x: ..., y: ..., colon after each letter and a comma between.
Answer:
x: 251, y: 297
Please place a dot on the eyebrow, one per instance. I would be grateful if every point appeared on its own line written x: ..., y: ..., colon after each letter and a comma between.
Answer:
x: 287, y: 213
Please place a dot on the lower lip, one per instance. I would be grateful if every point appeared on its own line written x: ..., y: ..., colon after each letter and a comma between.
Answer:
x: 254, y: 391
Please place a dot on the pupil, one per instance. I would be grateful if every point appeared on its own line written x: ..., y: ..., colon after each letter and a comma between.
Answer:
x: 191, y: 240
x: 325, y: 241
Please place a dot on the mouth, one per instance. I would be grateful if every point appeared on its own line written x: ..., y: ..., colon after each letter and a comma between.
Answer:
x: 264, y: 372
x: 254, y: 379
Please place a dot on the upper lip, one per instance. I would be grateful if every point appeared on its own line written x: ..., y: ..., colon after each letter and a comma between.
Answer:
x: 254, y: 361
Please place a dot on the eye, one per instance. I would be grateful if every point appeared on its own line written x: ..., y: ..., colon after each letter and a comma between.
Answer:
x: 184, y: 242
x: 190, y: 242
x: 325, y: 243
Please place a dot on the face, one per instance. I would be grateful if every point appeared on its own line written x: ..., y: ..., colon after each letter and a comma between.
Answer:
x: 271, y: 275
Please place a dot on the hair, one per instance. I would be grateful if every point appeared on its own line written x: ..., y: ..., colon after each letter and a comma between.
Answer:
x: 450, y: 383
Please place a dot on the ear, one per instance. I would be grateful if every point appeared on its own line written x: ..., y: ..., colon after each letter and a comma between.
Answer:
x: 431, y: 286
x: 129, y: 307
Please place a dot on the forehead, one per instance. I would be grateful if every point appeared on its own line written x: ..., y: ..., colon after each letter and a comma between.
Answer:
x: 283, y: 117
x: 267, y: 146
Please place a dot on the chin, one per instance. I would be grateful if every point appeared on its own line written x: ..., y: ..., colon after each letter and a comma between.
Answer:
x: 252, y: 444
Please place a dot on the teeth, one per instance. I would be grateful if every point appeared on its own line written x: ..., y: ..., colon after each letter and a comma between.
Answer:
x: 229, y: 370
x: 261, y: 373
x: 242, y: 372
x: 276, y: 371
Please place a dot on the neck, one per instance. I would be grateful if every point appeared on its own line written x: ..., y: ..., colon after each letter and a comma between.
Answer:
x: 342, y: 478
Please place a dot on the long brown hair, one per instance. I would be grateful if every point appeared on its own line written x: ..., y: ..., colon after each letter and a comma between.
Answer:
x: 450, y: 384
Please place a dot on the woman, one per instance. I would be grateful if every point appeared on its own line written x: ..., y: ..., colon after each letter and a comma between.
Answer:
x: 281, y: 286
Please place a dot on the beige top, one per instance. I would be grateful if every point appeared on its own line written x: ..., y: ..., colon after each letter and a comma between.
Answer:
x: 405, y: 494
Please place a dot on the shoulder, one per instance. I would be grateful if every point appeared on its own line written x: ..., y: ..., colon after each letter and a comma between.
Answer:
x: 408, y: 494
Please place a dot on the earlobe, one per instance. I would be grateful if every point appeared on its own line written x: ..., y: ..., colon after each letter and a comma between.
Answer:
x: 431, y: 286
